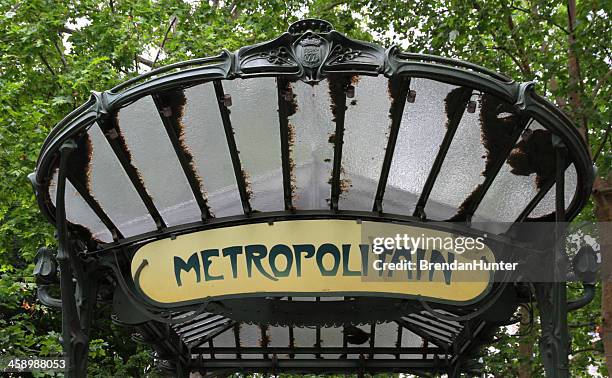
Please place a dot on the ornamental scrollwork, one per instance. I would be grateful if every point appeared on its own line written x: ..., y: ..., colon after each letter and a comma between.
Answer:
x: 280, y: 55
x: 341, y: 54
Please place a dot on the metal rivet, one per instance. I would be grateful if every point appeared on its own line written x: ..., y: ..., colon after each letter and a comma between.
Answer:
x: 227, y: 100
x: 112, y: 133
x: 411, y: 97
x: 471, y: 107
x: 350, y: 91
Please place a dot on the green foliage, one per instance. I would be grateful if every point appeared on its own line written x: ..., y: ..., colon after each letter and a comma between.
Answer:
x: 53, y: 53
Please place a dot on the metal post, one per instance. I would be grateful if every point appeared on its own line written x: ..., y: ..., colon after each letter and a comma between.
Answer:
x: 552, y: 297
x: 77, y: 304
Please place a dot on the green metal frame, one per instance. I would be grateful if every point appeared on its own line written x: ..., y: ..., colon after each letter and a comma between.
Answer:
x: 310, y: 51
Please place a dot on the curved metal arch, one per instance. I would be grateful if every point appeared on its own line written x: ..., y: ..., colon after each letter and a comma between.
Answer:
x: 357, y: 58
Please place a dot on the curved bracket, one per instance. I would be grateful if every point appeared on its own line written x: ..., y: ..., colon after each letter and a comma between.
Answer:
x: 522, y: 95
x: 42, y: 293
x: 141, y: 306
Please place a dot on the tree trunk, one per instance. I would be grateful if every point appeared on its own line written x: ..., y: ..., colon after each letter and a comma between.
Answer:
x: 602, y: 188
x: 526, y: 344
x: 602, y: 196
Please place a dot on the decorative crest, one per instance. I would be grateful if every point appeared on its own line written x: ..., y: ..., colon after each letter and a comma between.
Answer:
x: 310, y: 51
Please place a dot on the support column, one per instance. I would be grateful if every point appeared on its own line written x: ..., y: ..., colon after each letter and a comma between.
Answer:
x: 78, y: 300
x: 552, y: 296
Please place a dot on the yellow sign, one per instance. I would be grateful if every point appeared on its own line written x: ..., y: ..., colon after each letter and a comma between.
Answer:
x: 313, y: 258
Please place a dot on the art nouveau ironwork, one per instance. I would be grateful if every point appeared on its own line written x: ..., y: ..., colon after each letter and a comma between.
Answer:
x: 311, y: 125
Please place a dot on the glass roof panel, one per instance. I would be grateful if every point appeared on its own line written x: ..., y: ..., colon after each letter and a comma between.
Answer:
x: 480, y: 137
x: 547, y: 204
x: 256, y: 126
x: 461, y: 170
x: 312, y: 151
x: 304, y: 337
x: 250, y: 336
x: 529, y: 165
x: 112, y: 188
x: 205, y: 138
x: 421, y: 132
x: 331, y: 337
x: 366, y: 127
x: 153, y: 155
x: 79, y: 212
x: 225, y: 339
x: 385, y: 336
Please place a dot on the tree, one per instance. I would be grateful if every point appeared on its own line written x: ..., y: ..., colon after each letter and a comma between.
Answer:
x: 52, y: 54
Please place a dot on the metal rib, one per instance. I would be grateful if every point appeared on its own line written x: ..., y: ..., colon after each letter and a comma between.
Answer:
x: 318, y: 334
x: 424, y: 335
x: 291, y: 336
x: 197, y: 342
x: 111, y: 132
x: 546, y: 186
x: 397, y: 110
x: 372, y: 338
x: 496, y: 166
x: 171, y: 125
x: 283, y: 118
x: 237, y: 340
x: 339, y: 110
x: 454, y: 118
x: 231, y: 143
x: 95, y: 207
x: 398, y: 343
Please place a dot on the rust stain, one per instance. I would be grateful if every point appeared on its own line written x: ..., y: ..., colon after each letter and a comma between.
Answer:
x: 534, y: 153
x: 332, y: 138
x: 265, y: 339
x: 79, y: 164
x: 452, y: 98
x: 79, y: 169
x: 128, y: 153
x: 247, y: 183
x: 175, y: 102
x: 291, y: 132
x: 290, y: 103
x: 345, y: 182
x: 497, y: 122
x: 337, y: 88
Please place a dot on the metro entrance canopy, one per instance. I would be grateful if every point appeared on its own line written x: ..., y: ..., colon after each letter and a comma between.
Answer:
x: 226, y: 205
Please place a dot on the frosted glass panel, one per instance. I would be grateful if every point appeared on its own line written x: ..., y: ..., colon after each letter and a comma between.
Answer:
x: 225, y: 339
x: 154, y: 157
x: 250, y: 336
x: 480, y: 137
x: 331, y: 337
x: 517, y: 182
x: 366, y: 127
x: 257, y: 131
x: 304, y: 337
x: 421, y: 132
x: 279, y: 337
x: 547, y: 205
x: 411, y: 340
x: 461, y: 170
x: 79, y: 212
x: 111, y: 186
x: 204, y: 136
x: 385, y: 336
x: 312, y: 152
